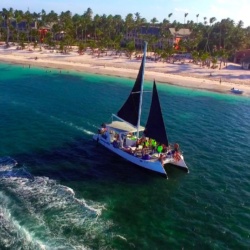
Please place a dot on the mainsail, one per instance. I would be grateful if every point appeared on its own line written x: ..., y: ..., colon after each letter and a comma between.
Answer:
x: 130, y: 110
x: 155, y: 127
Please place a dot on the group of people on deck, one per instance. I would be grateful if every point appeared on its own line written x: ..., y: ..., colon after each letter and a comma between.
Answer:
x: 146, y: 147
x: 150, y: 146
x: 172, y: 152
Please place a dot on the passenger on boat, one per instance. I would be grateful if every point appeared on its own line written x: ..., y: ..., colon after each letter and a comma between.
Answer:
x: 115, y: 144
x: 176, y: 148
x: 129, y: 150
x: 159, y: 148
x: 176, y: 153
x: 142, y: 140
x: 164, y: 148
x: 103, y: 129
x: 144, y: 149
x: 169, y: 151
x: 137, y: 143
x: 153, y: 145
x: 130, y: 134
x: 161, y: 159
x: 146, y: 143
x: 146, y: 157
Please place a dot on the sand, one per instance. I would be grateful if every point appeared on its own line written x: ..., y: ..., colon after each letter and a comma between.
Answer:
x: 184, y: 74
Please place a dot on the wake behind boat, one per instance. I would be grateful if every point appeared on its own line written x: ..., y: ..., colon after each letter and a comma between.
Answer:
x: 146, y: 147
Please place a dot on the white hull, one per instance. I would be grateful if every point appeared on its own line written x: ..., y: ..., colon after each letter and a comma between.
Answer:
x: 236, y: 91
x: 153, y: 164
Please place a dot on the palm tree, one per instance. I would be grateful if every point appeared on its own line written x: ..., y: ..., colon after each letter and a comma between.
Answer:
x: 164, y: 29
x: 43, y: 17
x: 96, y: 21
x: 110, y: 30
x: 130, y: 48
x: 240, y: 24
x: 137, y: 17
x: 35, y: 19
x: 185, y: 15
x: 18, y: 15
x: 129, y: 24
x: 195, y: 56
x: 212, y: 20
x: 66, y: 26
x: 154, y: 21
x: 137, y: 22
x: 28, y: 18
x: 117, y: 43
x: 118, y: 23
x: 209, y: 30
x: 89, y: 13
x: 7, y: 16
x: 204, y: 57
x: 197, y: 17
x: 169, y: 15
x: 51, y: 20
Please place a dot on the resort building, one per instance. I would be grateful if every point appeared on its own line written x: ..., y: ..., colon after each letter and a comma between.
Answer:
x: 240, y: 55
x: 178, y: 35
x: 20, y: 26
x: 17, y: 28
x: 169, y: 36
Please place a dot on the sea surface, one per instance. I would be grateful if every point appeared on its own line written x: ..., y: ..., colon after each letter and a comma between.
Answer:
x: 60, y: 190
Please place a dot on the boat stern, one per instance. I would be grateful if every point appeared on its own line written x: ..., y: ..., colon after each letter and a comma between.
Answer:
x: 179, y: 163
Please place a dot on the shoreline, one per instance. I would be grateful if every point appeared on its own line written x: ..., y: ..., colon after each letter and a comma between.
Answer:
x: 184, y: 74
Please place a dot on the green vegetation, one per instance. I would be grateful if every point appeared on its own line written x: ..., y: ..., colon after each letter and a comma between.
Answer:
x: 209, y: 40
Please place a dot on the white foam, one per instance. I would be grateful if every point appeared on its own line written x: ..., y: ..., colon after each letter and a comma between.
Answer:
x: 36, y: 197
x: 7, y: 164
x: 121, y: 237
x: 97, y: 209
x: 31, y: 199
x: 71, y: 124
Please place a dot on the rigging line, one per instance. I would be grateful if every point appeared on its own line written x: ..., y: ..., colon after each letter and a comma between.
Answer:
x: 138, y: 92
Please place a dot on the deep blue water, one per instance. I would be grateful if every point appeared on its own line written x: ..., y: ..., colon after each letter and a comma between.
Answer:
x: 67, y: 193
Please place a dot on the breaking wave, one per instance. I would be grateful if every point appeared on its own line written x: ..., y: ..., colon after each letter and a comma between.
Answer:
x: 39, y: 213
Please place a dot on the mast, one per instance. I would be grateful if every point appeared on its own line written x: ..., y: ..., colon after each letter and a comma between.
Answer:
x: 141, y: 92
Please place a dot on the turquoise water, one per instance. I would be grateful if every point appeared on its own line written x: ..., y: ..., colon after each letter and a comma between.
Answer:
x: 67, y: 193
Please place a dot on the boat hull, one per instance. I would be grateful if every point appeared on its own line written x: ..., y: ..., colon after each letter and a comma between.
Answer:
x: 236, y: 91
x: 181, y: 164
x: 153, y: 165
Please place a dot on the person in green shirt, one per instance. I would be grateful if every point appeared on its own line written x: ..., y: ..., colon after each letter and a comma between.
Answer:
x: 159, y: 148
x: 153, y: 145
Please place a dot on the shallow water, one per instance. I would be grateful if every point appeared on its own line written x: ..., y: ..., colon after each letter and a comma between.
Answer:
x: 67, y: 193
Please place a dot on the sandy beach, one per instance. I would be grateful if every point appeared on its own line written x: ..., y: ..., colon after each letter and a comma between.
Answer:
x: 184, y: 74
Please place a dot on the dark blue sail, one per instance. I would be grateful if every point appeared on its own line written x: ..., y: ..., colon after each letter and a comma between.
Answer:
x: 155, y: 127
x: 130, y: 110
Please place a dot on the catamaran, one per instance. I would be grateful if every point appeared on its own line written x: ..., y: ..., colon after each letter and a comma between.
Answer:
x: 148, y: 146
